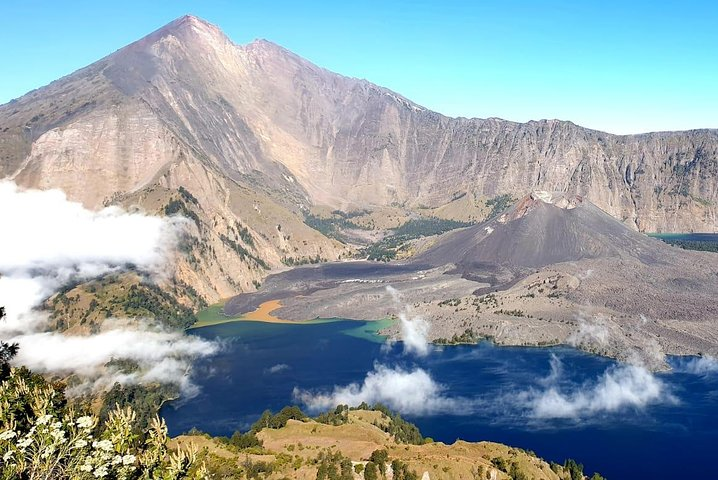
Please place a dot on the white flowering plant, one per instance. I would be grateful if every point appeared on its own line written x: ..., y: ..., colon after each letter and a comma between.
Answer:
x: 43, y: 438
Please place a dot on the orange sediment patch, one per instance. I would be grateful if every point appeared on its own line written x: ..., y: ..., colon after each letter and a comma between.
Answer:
x: 263, y: 313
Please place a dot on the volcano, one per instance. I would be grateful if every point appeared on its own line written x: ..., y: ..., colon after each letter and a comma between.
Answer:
x: 541, y: 229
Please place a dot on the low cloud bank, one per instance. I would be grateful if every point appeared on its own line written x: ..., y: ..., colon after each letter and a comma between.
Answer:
x: 706, y: 365
x: 411, y: 392
x: 49, y: 242
x: 414, y: 329
x: 619, y: 387
x: 159, y: 356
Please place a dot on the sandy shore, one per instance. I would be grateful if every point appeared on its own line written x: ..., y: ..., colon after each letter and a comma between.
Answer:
x: 263, y: 313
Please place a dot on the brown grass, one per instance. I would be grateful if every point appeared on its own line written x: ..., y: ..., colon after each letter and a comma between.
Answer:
x: 358, y: 438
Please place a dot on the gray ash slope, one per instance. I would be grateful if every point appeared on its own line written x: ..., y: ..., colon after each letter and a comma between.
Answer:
x: 559, y: 270
x: 542, y: 229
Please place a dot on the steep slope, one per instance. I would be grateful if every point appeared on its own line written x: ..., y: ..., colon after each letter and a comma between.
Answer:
x: 106, y: 134
x: 552, y: 269
x: 542, y: 229
x: 305, y: 135
x: 354, y: 437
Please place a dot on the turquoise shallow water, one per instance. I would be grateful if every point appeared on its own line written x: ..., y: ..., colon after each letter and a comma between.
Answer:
x: 693, y: 237
x: 482, y: 392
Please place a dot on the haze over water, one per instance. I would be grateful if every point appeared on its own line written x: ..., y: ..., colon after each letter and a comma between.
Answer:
x: 620, y: 421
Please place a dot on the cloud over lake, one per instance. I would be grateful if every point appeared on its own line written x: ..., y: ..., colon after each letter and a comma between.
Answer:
x: 50, y: 241
x: 406, y: 391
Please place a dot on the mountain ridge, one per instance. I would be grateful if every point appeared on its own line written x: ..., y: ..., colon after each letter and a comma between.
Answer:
x: 186, y: 107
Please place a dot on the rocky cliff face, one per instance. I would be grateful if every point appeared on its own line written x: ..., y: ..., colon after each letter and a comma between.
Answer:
x: 186, y: 105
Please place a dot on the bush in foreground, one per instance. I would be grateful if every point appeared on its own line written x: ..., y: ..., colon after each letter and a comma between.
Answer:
x: 42, y: 438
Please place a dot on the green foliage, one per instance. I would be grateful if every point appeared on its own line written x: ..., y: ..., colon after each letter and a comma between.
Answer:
x: 122, y: 365
x: 511, y: 313
x: 256, y: 469
x: 693, y: 245
x: 122, y: 295
x: 451, y: 302
x: 389, y: 247
x: 402, y: 472
x: 334, y: 466
x: 149, y: 300
x: 426, y: 227
x: 468, y: 337
x: 244, y: 234
x: 339, y: 416
x: 575, y: 470
x: 403, y: 431
x: 145, y: 401
x: 42, y: 438
x: 380, y: 458
x: 516, y: 473
x: 243, y: 253
x: 499, y: 204
x: 371, y: 472
x: 332, y: 226
x: 7, y: 352
x: 383, y: 251
x: 178, y: 206
x: 245, y: 440
x: 295, y: 261
x: 268, y: 420
x: 500, y: 463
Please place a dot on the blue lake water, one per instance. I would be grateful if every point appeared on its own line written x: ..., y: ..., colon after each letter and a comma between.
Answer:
x: 485, y: 393
x: 692, y: 237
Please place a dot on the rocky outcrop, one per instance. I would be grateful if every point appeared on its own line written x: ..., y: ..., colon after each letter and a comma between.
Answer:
x: 186, y: 99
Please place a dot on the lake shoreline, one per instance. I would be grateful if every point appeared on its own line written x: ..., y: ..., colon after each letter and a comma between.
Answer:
x: 264, y: 366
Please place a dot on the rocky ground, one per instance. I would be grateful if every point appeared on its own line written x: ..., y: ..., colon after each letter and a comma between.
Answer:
x: 551, y: 270
x: 561, y: 304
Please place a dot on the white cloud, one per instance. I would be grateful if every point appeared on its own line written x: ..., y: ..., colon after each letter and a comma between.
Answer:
x: 409, y: 392
x: 414, y: 329
x: 52, y: 231
x: 590, y: 331
x: 619, y: 387
x: 705, y: 365
x: 556, y: 371
x: 414, y: 333
x: 395, y: 295
x: 49, y: 241
x: 280, y: 367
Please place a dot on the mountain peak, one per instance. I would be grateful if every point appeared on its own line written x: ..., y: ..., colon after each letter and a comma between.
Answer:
x: 539, y: 198
x: 187, y: 28
x: 559, y: 199
x: 188, y: 21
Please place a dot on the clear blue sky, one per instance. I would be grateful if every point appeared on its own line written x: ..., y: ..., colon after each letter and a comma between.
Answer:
x: 620, y: 66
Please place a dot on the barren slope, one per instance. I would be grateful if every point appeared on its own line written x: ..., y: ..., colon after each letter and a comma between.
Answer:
x: 314, y: 136
x: 258, y: 135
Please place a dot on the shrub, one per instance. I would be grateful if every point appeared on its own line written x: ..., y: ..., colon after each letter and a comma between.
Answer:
x: 41, y: 437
